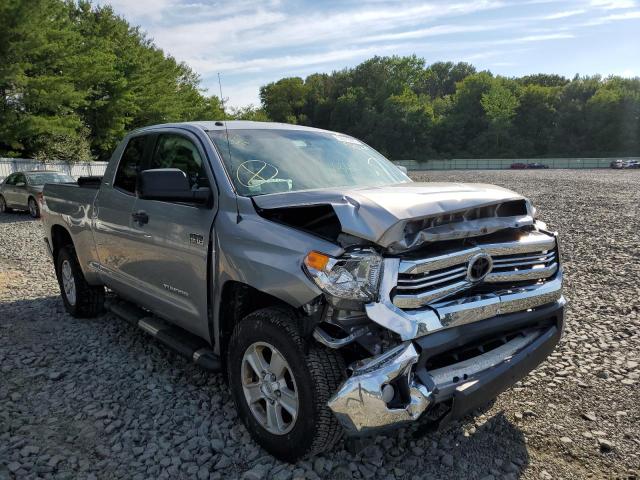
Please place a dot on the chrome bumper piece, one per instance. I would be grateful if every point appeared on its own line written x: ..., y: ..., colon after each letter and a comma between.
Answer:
x: 411, y: 324
x: 360, y: 405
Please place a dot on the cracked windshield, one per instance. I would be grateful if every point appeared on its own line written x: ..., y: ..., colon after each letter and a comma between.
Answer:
x: 272, y: 161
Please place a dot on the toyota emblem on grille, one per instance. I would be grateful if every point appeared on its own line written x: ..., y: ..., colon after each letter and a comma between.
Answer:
x: 479, y: 267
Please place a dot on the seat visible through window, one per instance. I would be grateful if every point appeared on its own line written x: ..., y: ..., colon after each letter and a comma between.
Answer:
x: 175, y: 151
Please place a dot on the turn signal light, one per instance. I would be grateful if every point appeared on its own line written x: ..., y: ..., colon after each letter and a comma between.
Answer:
x: 316, y: 260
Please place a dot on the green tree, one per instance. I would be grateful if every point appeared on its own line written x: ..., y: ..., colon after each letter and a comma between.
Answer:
x: 440, y: 78
x: 75, y: 74
x: 406, y: 126
x: 284, y: 100
x: 249, y: 112
x: 39, y: 100
x: 499, y: 104
x: 535, y: 120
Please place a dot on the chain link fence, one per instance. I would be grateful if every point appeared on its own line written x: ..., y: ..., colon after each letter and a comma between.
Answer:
x: 11, y: 165
x: 505, y: 163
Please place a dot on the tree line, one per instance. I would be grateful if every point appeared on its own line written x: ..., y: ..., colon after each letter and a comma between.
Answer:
x: 410, y: 110
x: 74, y: 78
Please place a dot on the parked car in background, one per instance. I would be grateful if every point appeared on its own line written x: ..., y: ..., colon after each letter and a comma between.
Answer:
x: 23, y: 190
x: 536, y: 165
x: 518, y: 166
x: 632, y: 164
x: 617, y: 164
x: 532, y: 165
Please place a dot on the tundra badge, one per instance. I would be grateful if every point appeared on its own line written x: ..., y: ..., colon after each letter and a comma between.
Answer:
x: 196, y: 239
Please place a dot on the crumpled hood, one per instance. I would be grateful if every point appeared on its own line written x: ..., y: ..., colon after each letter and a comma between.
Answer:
x: 402, y: 216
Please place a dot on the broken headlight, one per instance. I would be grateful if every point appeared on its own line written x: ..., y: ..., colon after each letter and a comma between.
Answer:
x: 354, y: 276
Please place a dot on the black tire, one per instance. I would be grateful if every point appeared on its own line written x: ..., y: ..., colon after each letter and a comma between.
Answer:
x: 317, y: 372
x: 34, y: 208
x: 89, y: 299
x: 3, y: 206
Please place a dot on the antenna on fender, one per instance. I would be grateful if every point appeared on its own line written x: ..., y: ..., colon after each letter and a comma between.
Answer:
x: 226, y: 131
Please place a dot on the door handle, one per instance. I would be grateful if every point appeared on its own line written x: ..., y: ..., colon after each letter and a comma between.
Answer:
x: 141, y: 217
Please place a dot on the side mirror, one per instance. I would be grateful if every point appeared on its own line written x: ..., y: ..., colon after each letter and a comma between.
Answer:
x: 403, y: 169
x: 170, y: 184
x: 20, y: 184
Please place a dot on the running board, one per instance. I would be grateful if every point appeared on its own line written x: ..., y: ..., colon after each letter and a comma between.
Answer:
x: 179, y: 340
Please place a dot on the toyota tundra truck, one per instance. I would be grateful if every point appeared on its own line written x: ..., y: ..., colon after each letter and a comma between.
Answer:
x: 339, y: 296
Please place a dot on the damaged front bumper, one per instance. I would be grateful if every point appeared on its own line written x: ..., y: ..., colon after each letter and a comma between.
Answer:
x: 421, y: 376
x: 363, y: 403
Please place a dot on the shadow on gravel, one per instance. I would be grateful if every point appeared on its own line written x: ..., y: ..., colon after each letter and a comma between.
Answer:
x: 30, y: 309
x: 493, y: 447
x: 15, y: 217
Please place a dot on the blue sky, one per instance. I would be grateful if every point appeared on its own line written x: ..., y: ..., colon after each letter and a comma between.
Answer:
x: 253, y: 43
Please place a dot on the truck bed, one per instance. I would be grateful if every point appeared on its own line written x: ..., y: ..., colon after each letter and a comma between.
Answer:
x: 73, y: 199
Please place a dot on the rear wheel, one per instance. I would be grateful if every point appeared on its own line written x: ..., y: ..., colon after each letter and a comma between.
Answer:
x: 34, y: 209
x: 80, y: 299
x: 281, y: 386
x: 3, y: 205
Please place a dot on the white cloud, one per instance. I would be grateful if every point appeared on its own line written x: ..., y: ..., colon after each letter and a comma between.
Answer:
x: 138, y: 9
x: 430, y: 32
x: 613, y: 4
x: 623, y: 16
x: 286, y: 62
x: 565, y: 14
x: 616, y: 17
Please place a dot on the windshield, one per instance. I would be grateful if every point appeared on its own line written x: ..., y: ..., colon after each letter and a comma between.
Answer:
x: 268, y: 161
x: 48, y: 177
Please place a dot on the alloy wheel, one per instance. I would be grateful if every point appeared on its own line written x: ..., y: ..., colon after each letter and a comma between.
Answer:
x: 269, y: 388
x: 68, y: 282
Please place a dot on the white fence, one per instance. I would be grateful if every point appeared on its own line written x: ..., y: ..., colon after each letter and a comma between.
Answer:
x: 501, y: 163
x: 84, y: 169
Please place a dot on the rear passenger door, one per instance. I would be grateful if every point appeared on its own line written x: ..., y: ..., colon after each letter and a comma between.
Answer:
x: 173, y: 237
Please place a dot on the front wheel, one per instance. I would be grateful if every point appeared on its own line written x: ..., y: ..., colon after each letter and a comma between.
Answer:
x: 281, y: 388
x: 34, y: 209
x: 80, y: 299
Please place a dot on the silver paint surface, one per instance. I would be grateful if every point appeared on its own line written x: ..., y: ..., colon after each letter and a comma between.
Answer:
x: 380, y: 214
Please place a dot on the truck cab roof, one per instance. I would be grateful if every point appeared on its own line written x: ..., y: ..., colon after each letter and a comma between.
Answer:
x: 208, y: 125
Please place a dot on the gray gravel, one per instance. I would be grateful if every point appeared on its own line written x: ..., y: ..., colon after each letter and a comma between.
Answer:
x: 99, y: 399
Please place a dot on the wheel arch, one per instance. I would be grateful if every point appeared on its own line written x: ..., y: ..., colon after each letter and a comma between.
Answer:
x: 60, y: 237
x: 237, y: 300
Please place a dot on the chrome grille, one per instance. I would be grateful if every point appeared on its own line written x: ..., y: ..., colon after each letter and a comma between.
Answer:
x: 530, y: 258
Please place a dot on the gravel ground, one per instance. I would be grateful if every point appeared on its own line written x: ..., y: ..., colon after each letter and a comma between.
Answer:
x: 99, y: 399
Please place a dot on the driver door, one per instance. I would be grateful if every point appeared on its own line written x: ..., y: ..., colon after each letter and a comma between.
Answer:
x: 172, y: 238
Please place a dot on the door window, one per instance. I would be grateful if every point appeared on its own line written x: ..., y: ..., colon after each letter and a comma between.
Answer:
x: 176, y: 151
x: 11, y: 179
x: 20, y: 178
x: 130, y: 164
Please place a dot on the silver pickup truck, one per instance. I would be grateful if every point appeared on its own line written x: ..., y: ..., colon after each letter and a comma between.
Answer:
x: 338, y: 295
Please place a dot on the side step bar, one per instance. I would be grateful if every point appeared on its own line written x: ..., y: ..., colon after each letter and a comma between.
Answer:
x: 179, y: 340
